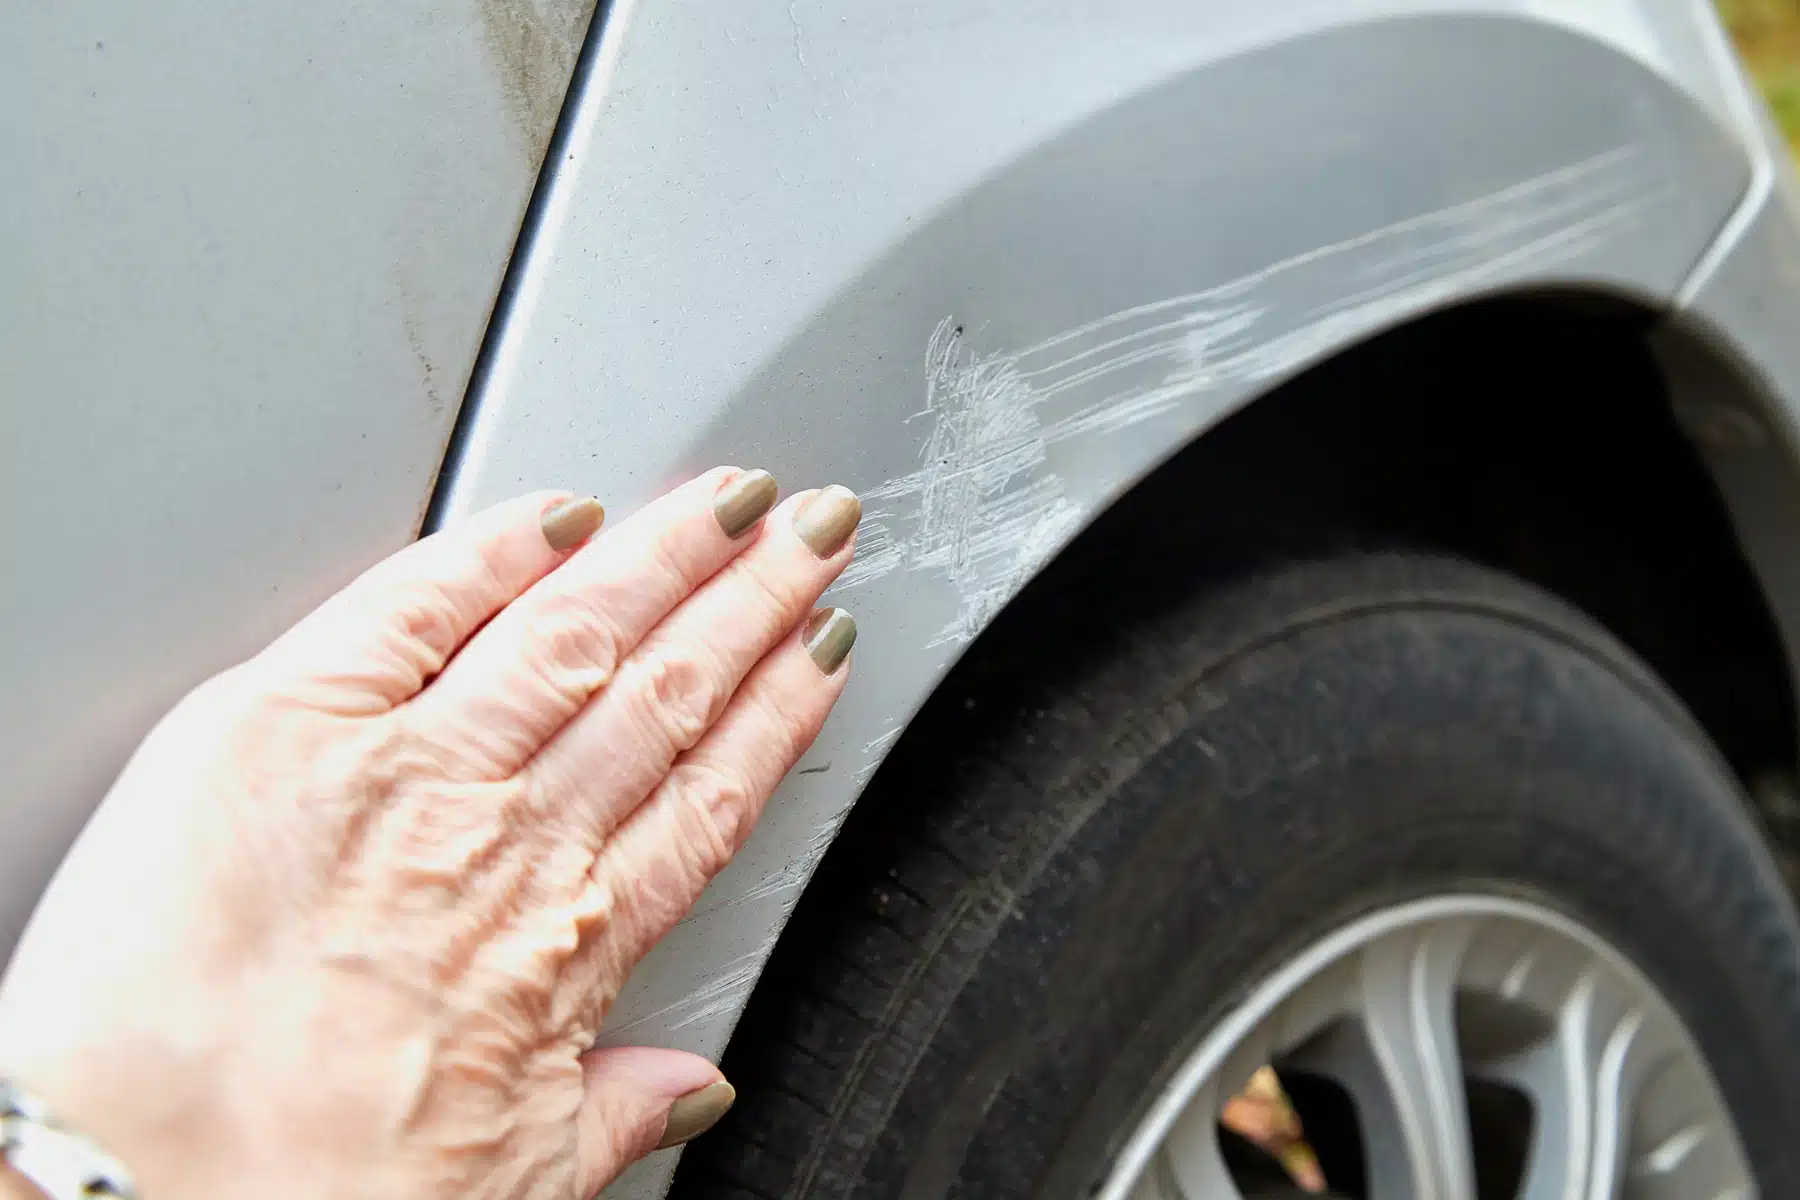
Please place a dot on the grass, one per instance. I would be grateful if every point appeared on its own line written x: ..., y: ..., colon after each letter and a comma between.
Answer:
x: 1767, y: 33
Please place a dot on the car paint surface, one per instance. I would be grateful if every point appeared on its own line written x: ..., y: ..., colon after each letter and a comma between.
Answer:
x: 987, y: 263
x: 248, y: 253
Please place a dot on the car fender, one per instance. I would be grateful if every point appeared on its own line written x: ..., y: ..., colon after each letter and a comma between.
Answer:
x: 991, y: 264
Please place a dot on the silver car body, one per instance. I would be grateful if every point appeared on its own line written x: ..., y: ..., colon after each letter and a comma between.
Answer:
x: 986, y: 261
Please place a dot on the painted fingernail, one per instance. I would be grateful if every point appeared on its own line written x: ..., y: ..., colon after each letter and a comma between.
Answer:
x: 828, y: 636
x: 572, y: 522
x: 744, y: 501
x: 697, y: 1112
x: 827, y: 519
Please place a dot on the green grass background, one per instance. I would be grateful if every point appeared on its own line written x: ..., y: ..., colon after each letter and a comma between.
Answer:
x: 1767, y: 33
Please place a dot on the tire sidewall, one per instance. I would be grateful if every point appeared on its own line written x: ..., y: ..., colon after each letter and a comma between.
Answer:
x: 1345, y: 766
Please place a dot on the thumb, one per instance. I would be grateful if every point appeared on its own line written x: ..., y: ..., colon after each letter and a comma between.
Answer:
x: 637, y: 1099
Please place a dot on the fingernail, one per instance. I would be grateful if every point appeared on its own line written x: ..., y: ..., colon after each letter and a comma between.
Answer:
x: 744, y: 501
x: 697, y: 1112
x: 827, y: 519
x: 828, y: 636
x: 572, y: 522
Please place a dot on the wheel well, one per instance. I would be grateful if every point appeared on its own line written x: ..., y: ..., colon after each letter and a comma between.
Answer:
x: 1532, y: 434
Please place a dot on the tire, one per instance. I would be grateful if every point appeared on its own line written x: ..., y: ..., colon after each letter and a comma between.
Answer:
x: 1070, y: 870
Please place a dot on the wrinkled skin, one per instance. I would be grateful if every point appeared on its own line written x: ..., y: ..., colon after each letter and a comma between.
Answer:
x: 350, y: 920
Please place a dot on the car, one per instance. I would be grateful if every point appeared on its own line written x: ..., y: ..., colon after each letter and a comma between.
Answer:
x: 1328, y: 580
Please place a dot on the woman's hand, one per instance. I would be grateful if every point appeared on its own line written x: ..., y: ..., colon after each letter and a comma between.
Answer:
x: 350, y: 920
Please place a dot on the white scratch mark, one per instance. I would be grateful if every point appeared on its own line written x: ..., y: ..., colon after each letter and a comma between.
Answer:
x: 794, y: 20
x: 984, y: 509
x: 791, y: 876
x: 874, y: 750
x: 724, y: 993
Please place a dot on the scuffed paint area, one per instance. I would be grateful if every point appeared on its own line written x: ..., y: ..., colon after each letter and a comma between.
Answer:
x: 986, y: 510
x: 723, y: 993
x: 873, y: 751
x: 985, y: 507
x: 786, y: 880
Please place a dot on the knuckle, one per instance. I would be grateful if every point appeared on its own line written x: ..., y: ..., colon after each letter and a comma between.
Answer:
x: 670, y: 560
x: 449, y: 592
x: 681, y: 687
x: 711, y: 812
x: 766, y: 597
x: 573, y: 647
x: 482, y: 575
x: 650, y: 899
x: 424, y: 617
x: 651, y: 878
x: 787, y: 728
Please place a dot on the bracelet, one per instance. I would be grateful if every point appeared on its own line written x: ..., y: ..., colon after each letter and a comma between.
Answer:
x: 61, y: 1163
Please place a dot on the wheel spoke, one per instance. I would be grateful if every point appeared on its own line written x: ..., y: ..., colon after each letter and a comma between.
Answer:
x: 1192, y: 1165
x: 1153, y: 1184
x: 1698, y: 1159
x: 1680, y: 1145
x: 1409, y: 1019
x: 1402, y: 1010
x: 1581, y: 1081
x: 1343, y: 1054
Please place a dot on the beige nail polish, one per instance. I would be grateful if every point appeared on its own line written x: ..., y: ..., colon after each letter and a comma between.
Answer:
x: 828, y: 636
x: 827, y: 519
x: 697, y: 1112
x: 572, y: 522
x: 743, y: 501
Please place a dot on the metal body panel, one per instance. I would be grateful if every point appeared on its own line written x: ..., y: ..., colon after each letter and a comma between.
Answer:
x: 870, y: 245
x: 248, y: 254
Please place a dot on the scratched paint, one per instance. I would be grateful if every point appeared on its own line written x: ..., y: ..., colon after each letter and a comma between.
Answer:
x: 723, y: 993
x: 788, y: 879
x: 873, y: 751
x: 983, y: 508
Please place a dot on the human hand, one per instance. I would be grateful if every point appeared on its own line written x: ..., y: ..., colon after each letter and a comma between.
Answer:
x: 349, y: 922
